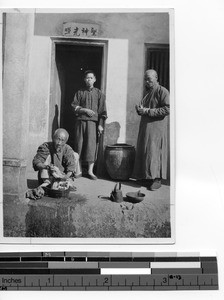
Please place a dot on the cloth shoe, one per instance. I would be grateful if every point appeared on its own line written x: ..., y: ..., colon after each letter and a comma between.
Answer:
x: 156, y: 184
x: 91, y: 176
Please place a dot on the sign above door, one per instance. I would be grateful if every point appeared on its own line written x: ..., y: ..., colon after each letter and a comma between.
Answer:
x: 80, y: 29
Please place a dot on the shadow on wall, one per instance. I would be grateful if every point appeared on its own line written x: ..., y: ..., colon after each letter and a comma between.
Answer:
x: 110, y: 137
x: 55, y: 124
x: 112, y: 133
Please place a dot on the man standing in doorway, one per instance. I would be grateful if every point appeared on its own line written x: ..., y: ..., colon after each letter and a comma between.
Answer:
x: 89, y: 107
x: 152, y: 153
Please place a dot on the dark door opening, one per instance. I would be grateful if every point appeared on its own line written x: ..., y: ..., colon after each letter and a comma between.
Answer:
x: 71, y: 63
x: 157, y: 58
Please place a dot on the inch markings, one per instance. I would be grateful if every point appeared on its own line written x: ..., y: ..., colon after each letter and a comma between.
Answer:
x: 107, y: 271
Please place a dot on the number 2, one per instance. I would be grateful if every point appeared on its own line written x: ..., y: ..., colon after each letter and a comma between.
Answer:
x: 106, y: 280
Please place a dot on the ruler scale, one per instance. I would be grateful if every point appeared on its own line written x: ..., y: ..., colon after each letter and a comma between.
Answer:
x: 107, y: 271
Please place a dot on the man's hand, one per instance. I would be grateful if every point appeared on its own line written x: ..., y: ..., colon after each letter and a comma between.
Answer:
x: 52, y: 168
x: 100, y: 129
x: 42, y: 166
x: 55, y: 172
x: 141, y: 110
x: 67, y: 176
x: 87, y: 111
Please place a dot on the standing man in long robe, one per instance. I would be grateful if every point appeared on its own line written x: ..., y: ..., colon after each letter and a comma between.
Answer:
x: 89, y: 107
x: 152, y: 145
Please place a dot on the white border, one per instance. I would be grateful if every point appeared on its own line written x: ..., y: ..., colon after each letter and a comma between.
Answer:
x: 115, y: 241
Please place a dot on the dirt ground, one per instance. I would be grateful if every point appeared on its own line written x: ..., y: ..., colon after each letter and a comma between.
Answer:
x: 88, y: 212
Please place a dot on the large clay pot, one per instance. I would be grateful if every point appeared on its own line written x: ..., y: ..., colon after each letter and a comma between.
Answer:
x: 120, y: 160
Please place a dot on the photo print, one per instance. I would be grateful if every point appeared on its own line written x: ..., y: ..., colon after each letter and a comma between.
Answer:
x: 88, y: 126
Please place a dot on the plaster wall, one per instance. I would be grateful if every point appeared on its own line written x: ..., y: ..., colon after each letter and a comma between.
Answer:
x: 19, y: 29
x: 17, y: 42
x: 40, y: 67
x: 116, y: 87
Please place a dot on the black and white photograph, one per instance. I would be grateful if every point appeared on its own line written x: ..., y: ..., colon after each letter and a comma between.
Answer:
x: 111, y: 182
x: 88, y: 126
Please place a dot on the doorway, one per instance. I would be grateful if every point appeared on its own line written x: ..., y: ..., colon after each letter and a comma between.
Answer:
x: 158, y: 58
x: 70, y: 60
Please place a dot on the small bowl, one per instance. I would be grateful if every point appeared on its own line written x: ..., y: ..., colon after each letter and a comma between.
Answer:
x: 56, y: 193
x: 135, y: 197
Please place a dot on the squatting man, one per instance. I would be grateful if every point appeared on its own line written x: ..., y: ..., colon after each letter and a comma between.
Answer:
x: 56, y: 159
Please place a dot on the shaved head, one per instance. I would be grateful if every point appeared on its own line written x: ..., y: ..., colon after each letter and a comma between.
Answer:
x: 151, y: 73
x: 151, y: 78
x: 60, y: 138
x: 61, y: 132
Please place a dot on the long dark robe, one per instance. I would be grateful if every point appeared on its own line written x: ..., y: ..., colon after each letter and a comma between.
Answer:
x: 152, y: 144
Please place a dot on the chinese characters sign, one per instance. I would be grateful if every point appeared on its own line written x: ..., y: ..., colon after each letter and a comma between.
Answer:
x: 80, y: 29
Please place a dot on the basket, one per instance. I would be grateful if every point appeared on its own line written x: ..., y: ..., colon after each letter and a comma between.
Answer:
x: 56, y: 193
